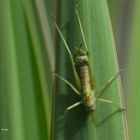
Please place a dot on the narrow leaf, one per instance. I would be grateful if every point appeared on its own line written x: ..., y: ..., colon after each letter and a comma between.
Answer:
x: 106, y: 122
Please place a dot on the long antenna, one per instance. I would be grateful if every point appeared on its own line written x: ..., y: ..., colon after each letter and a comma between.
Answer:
x: 70, y: 54
x: 81, y: 28
x: 64, y: 41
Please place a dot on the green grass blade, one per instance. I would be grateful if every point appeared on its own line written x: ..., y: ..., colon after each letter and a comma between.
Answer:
x: 43, y: 16
x: 25, y: 74
x: 43, y: 66
x: 11, y: 74
x: 77, y: 124
x: 132, y: 77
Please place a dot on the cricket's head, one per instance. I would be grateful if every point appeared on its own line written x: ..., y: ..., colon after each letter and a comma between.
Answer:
x: 81, y: 60
x: 89, y: 103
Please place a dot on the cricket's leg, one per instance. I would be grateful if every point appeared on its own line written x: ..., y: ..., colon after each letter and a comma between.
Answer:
x: 68, y: 83
x: 111, y: 102
x: 77, y: 80
x: 106, y: 85
x: 70, y: 55
x: 73, y: 106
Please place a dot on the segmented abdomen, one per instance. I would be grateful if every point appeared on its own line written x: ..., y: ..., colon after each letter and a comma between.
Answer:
x: 85, y: 79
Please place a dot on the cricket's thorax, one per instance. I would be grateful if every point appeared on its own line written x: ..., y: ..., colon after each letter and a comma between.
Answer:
x: 82, y: 65
x: 89, y: 102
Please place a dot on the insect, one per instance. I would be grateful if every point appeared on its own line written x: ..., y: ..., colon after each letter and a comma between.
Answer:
x: 81, y: 69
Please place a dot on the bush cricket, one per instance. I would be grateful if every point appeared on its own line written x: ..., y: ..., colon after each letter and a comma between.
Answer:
x: 80, y: 65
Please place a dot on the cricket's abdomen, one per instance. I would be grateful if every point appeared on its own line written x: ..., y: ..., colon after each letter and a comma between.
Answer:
x: 85, y: 80
x: 88, y: 97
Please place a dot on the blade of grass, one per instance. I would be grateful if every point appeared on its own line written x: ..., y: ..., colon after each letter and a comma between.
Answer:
x: 25, y: 77
x: 10, y: 75
x: 42, y: 64
x: 121, y: 13
x: 43, y: 17
x: 77, y: 125
x: 132, y: 77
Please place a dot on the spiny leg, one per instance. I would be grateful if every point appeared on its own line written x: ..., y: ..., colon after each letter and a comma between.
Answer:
x: 81, y: 29
x: 73, y: 106
x: 68, y: 83
x: 110, y: 102
x: 106, y: 85
x: 70, y: 55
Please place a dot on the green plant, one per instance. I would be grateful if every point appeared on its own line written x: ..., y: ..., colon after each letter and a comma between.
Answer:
x: 77, y: 124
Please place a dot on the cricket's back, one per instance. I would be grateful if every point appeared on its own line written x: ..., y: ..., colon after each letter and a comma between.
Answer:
x: 82, y: 65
